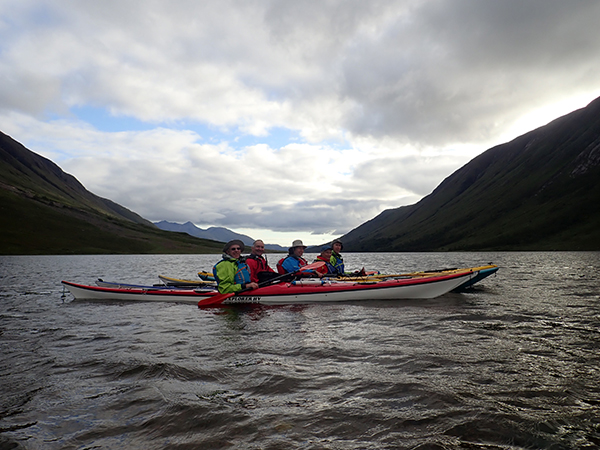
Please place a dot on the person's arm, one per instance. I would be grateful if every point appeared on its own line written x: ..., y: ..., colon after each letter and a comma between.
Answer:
x: 253, y: 269
x: 290, y: 265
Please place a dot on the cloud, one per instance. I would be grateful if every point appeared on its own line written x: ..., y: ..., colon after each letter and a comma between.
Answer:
x: 166, y: 173
x: 430, y: 71
x: 460, y: 71
x: 382, y: 100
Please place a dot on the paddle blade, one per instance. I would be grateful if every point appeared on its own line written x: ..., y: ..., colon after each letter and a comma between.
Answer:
x: 215, y: 300
x: 312, y: 266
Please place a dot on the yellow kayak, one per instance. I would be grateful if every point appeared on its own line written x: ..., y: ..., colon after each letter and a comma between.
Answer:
x: 170, y: 281
x: 206, y: 276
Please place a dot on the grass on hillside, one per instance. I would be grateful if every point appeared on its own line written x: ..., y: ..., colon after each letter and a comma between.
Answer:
x: 29, y: 227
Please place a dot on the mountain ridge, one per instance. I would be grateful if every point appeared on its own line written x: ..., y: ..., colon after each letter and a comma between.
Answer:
x: 214, y: 233
x: 535, y: 192
x: 44, y: 210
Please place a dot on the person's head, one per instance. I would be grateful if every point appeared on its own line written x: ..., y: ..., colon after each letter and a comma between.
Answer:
x: 297, y: 248
x: 258, y: 248
x: 326, y: 252
x: 337, y: 246
x: 234, y: 248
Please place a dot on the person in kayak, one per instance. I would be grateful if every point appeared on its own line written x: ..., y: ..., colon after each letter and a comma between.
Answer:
x: 260, y: 270
x: 294, y: 261
x: 336, y: 259
x: 328, y: 269
x: 231, y: 273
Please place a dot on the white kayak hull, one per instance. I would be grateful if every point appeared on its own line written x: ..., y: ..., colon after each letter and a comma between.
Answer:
x: 288, y: 293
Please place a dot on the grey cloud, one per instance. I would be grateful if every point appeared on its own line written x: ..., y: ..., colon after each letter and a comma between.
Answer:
x: 417, y: 74
x: 431, y: 71
x: 417, y: 175
x: 317, y: 216
x: 460, y: 66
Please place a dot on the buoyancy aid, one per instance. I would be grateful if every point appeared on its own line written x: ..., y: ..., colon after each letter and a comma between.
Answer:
x: 328, y: 268
x: 337, y: 262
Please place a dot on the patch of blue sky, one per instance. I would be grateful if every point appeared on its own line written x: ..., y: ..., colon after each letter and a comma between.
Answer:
x: 103, y: 120
x: 26, y: 16
x: 277, y: 137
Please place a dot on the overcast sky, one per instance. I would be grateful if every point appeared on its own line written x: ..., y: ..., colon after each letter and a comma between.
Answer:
x: 285, y: 119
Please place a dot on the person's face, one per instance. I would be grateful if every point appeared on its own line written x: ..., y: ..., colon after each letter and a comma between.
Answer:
x: 326, y: 254
x: 258, y: 248
x: 298, y: 251
x: 337, y: 247
x: 234, y: 251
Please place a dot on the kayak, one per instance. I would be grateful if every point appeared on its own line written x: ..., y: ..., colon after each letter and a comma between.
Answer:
x: 169, y: 281
x: 141, y: 293
x: 206, y: 276
x: 115, y: 284
x: 482, y: 272
x: 301, y: 291
x: 422, y: 273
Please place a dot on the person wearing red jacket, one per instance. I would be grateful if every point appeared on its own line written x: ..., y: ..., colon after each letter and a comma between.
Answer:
x: 258, y: 264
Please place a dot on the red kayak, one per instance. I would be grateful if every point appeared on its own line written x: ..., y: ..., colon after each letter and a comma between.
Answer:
x: 302, y: 291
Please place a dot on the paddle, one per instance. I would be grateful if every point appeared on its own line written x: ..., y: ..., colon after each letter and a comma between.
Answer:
x: 218, y: 299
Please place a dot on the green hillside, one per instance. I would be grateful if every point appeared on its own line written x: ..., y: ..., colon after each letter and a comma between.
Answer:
x: 540, y: 191
x: 46, y: 211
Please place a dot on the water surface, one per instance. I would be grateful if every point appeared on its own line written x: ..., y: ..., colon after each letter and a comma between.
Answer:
x: 511, y: 364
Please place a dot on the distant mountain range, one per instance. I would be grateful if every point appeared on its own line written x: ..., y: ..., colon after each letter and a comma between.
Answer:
x: 214, y: 233
x: 540, y: 191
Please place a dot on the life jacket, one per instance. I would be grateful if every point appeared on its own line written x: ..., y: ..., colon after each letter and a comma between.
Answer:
x: 241, y: 274
x: 327, y: 268
x: 262, y: 264
x: 280, y: 269
x: 337, y: 262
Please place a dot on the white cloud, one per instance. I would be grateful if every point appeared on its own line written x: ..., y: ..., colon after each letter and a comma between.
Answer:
x: 387, y: 98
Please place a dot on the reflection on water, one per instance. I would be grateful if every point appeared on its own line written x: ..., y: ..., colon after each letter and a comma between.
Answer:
x: 510, y: 364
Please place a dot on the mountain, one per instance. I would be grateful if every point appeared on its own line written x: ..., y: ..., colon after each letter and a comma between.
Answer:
x: 44, y: 210
x: 214, y: 233
x: 540, y: 191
